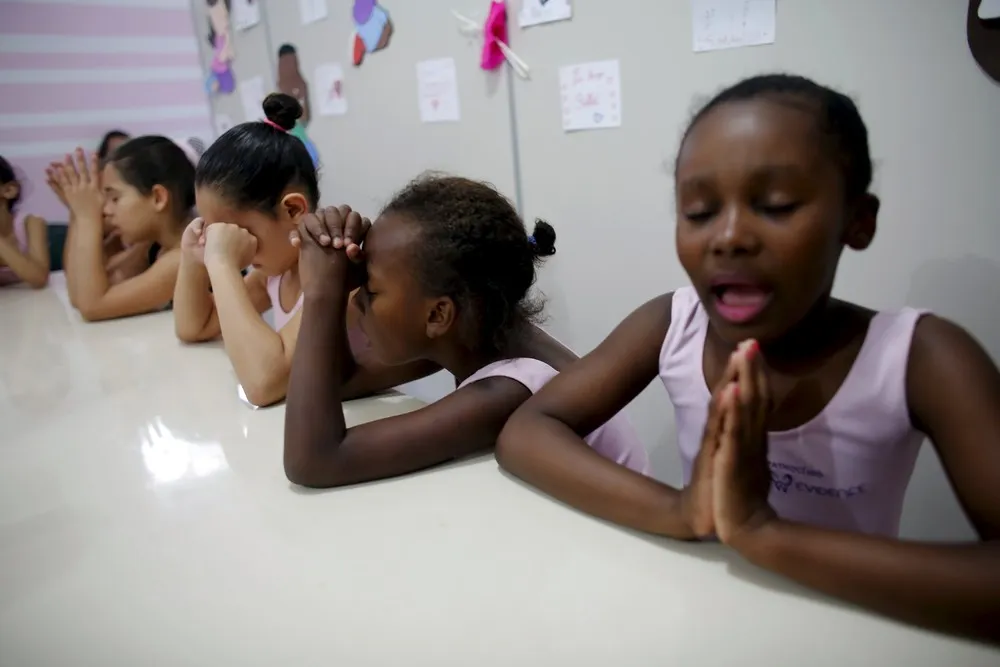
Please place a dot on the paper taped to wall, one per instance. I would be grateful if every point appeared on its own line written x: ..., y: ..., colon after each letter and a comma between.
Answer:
x: 330, y: 84
x: 312, y: 11
x: 535, y: 12
x: 252, y: 97
x: 437, y: 91
x: 591, y: 96
x: 729, y: 24
x: 245, y: 14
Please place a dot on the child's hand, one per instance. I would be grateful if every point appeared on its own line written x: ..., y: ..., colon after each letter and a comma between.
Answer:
x: 229, y: 244
x: 741, y: 474
x: 78, y: 179
x: 52, y: 180
x: 696, y: 498
x: 193, y: 240
x: 330, y: 254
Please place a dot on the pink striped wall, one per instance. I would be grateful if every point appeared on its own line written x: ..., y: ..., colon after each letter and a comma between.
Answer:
x: 70, y: 71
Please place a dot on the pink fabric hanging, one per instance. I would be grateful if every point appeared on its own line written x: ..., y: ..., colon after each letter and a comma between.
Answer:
x: 495, y: 30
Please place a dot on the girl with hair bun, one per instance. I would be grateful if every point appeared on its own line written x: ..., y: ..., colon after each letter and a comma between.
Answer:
x: 253, y: 186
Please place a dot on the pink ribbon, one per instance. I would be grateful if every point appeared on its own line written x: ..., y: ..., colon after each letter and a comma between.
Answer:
x: 494, y: 31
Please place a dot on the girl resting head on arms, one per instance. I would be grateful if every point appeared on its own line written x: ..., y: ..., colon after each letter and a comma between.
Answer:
x: 24, y: 241
x: 147, y: 197
x: 254, y: 185
x: 799, y: 456
x: 444, y: 275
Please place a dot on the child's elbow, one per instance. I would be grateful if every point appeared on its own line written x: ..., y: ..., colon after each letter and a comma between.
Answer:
x: 508, y: 443
x: 298, y: 473
x: 40, y: 282
x: 302, y: 472
x: 266, y: 390
x: 91, y: 313
x: 187, y: 334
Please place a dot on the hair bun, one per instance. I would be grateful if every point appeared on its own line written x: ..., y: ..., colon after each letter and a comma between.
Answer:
x: 282, y: 110
x: 544, y: 239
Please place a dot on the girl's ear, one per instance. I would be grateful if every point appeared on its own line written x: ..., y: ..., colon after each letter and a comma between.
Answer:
x: 860, y: 230
x: 161, y: 198
x: 294, y: 205
x: 10, y: 190
x: 441, y: 316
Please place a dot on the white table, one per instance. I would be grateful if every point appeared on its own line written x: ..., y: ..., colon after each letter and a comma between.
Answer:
x: 145, y: 520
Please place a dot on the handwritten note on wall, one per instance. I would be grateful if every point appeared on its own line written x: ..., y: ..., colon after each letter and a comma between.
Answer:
x: 591, y: 96
x: 437, y: 91
x: 244, y: 14
x: 311, y: 11
x: 252, y: 98
x: 729, y: 24
x: 536, y: 12
x: 328, y: 89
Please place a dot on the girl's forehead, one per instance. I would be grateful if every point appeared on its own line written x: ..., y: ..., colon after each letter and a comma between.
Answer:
x: 389, y: 242
x: 110, y: 175
x: 750, y: 132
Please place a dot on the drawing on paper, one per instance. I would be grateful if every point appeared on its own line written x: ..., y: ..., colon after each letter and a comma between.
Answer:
x: 290, y: 79
x: 591, y: 96
x: 245, y: 14
x: 536, y: 12
x: 329, y: 81
x: 730, y: 24
x: 292, y: 83
x: 220, y: 79
x: 437, y: 91
x: 372, y: 29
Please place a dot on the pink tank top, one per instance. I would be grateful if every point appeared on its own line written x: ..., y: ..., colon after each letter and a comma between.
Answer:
x: 848, y: 467
x: 615, y: 440
x: 7, y: 275
x: 280, y: 316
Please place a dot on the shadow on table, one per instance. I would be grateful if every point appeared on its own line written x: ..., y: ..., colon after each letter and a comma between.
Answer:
x: 712, y: 552
x: 705, y: 551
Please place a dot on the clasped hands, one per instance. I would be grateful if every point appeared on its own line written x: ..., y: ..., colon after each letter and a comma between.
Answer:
x: 730, y: 478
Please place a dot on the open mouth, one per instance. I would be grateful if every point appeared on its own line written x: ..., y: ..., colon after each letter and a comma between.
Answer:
x: 739, y: 303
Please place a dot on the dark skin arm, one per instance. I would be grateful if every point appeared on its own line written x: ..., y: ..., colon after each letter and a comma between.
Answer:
x: 953, y: 390
x: 544, y: 438
x: 320, y: 451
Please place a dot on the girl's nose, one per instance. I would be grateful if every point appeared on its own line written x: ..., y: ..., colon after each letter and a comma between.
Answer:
x: 734, y: 232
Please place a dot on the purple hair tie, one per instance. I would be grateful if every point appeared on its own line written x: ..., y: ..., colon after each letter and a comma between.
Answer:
x: 531, y: 240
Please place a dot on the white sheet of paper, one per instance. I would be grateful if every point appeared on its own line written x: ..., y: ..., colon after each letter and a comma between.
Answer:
x: 252, y: 97
x: 534, y: 12
x: 328, y: 89
x: 312, y: 11
x: 244, y: 14
x: 222, y: 124
x: 591, y: 95
x: 437, y: 91
x: 729, y: 24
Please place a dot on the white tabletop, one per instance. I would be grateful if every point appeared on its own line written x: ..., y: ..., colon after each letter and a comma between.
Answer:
x: 145, y: 520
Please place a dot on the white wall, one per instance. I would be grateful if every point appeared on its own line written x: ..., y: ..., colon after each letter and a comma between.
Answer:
x: 932, y: 114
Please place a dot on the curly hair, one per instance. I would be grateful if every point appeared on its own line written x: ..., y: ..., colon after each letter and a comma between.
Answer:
x: 474, y: 248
